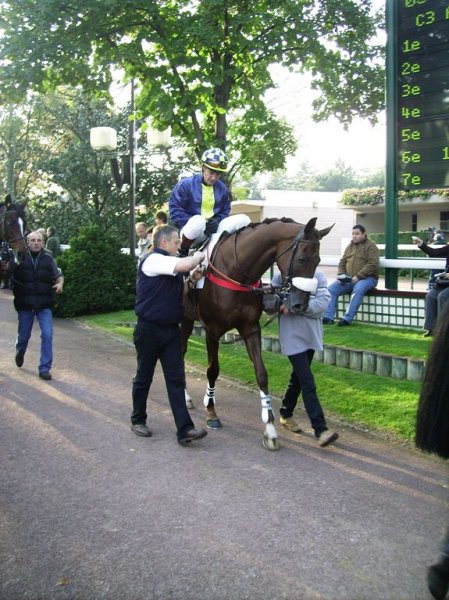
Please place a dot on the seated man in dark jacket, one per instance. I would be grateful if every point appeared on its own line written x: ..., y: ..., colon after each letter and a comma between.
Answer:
x: 35, y: 280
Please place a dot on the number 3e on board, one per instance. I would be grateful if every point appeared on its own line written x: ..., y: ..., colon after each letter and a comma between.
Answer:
x: 410, y: 90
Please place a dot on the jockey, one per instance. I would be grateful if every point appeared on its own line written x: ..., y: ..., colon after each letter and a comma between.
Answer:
x: 199, y: 203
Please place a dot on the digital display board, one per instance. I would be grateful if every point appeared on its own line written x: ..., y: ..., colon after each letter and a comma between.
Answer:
x: 422, y: 125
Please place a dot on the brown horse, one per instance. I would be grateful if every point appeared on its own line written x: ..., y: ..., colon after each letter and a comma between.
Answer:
x: 12, y: 226
x: 231, y: 298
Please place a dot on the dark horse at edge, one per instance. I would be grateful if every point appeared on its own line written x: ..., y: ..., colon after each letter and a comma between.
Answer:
x: 12, y: 229
x: 231, y: 297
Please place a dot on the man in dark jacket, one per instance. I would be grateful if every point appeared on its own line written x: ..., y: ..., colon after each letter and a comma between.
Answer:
x: 157, y: 336
x: 35, y: 280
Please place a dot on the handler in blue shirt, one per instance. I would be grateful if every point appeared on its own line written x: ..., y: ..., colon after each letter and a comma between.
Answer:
x: 198, y: 203
x: 157, y: 335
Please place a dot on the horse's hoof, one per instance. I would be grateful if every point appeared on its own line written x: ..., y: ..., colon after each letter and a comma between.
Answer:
x: 189, y: 403
x: 214, y: 424
x: 271, y: 443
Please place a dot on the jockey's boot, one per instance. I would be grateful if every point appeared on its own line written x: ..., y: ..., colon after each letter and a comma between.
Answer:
x: 184, y: 248
x: 182, y: 252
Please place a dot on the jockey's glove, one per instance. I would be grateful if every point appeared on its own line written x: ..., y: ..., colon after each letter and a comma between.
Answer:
x: 211, y: 226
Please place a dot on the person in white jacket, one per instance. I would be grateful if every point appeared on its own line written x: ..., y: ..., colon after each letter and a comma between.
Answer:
x: 300, y: 335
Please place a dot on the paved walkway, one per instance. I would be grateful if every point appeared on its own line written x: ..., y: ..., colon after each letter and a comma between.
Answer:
x: 89, y: 511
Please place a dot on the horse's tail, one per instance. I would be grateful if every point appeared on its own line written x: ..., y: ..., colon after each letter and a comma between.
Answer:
x: 432, y: 424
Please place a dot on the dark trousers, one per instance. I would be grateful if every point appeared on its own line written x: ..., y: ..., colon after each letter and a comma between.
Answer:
x: 159, y: 342
x: 302, y: 380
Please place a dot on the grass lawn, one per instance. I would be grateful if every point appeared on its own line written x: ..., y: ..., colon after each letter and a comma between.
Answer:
x: 376, y: 403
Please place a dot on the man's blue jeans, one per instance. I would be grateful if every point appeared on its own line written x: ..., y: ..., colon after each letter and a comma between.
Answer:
x: 357, y: 292
x: 45, y: 319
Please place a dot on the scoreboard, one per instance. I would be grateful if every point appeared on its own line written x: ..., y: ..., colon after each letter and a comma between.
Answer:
x: 422, y: 123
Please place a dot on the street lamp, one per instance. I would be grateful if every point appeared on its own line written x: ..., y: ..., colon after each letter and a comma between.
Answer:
x: 104, y: 140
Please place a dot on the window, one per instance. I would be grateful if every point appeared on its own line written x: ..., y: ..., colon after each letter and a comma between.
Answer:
x: 444, y: 220
x: 415, y: 222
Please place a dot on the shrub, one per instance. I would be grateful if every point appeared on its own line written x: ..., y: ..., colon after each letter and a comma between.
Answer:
x: 98, y: 277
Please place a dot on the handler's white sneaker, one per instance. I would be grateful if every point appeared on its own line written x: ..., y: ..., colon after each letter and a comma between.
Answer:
x: 326, y: 437
x: 290, y: 423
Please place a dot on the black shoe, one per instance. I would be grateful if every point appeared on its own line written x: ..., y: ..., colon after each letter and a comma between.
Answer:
x: 45, y: 375
x: 438, y: 581
x: 327, y: 321
x: 19, y: 359
x: 182, y: 252
x: 191, y: 436
x: 141, y: 429
x: 343, y: 323
x: 428, y: 333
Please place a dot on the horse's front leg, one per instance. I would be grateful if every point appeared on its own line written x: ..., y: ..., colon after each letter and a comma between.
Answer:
x: 213, y: 370
x: 253, y: 345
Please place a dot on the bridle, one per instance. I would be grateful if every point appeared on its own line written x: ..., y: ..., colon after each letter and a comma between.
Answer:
x: 287, y: 279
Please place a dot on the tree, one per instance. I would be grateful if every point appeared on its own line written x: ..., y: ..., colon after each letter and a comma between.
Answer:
x: 202, y: 66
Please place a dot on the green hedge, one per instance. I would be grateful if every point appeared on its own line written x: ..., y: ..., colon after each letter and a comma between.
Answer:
x: 98, y: 277
x: 376, y: 195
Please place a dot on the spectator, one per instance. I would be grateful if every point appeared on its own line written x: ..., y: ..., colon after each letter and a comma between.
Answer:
x: 438, y: 296
x: 432, y: 433
x: 358, y: 272
x: 198, y: 203
x: 437, y: 240
x: 53, y: 245
x: 144, y: 240
x: 300, y: 335
x: 43, y: 233
x: 35, y: 279
x: 160, y: 218
x: 157, y: 335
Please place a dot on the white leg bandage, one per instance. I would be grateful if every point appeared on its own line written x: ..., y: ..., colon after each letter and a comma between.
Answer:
x: 265, y: 401
x: 210, y: 395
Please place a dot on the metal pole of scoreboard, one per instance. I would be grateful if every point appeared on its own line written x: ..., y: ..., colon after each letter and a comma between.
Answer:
x: 391, y: 198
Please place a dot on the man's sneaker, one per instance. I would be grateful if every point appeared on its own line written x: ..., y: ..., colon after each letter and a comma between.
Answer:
x: 343, y: 323
x: 141, y: 429
x: 428, y: 333
x: 290, y: 423
x: 45, y: 375
x: 326, y: 437
x: 327, y: 321
x: 19, y: 359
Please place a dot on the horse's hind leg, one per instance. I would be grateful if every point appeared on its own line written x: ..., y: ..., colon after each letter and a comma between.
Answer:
x: 186, y: 331
x: 213, y: 370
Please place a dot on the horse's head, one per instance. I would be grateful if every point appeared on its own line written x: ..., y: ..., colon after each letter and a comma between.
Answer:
x: 12, y: 226
x: 297, y: 262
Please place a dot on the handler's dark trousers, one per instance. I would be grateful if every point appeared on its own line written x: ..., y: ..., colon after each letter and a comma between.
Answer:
x: 302, y: 380
x: 163, y: 342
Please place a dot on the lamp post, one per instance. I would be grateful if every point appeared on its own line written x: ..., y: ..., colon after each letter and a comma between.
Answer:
x: 132, y: 173
x: 104, y: 140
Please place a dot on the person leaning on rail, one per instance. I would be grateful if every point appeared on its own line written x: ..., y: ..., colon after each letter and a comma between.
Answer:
x: 437, y: 298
